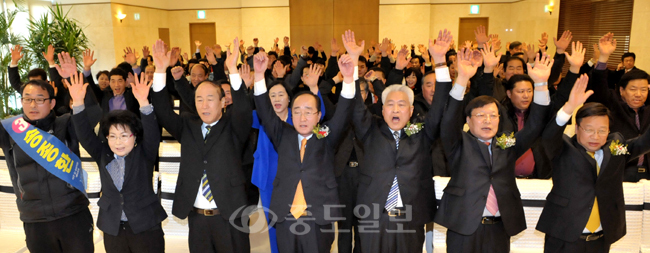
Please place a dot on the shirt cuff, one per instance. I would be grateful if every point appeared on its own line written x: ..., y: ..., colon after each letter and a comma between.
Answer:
x: 147, y: 109
x: 427, y: 64
x: 590, y: 63
x: 442, y: 75
x: 260, y: 87
x: 562, y: 117
x: 541, y: 84
x: 541, y: 98
x: 13, y: 66
x: 78, y: 109
x: 159, y: 80
x: 53, y: 66
x: 235, y: 81
x: 601, y: 66
x: 457, y: 92
x: 355, y: 74
x: 348, y: 90
x: 87, y: 73
x: 198, y: 50
x: 136, y: 70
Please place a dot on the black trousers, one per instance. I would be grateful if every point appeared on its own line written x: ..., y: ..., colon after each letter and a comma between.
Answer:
x: 390, y: 235
x: 304, y: 236
x: 348, y: 183
x: 486, y: 239
x: 150, y: 241
x: 70, y: 234
x: 214, y: 234
x: 553, y: 244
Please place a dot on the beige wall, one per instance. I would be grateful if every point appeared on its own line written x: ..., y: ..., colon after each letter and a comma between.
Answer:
x: 98, y: 27
x: 415, y: 23
x: 136, y: 33
x: 640, y: 27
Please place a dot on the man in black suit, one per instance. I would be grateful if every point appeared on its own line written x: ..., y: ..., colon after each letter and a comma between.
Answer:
x: 210, y: 187
x: 626, y: 65
x: 585, y: 210
x: 482, y: 206
x: 305, y: 197
x: 630, y: 117
x: 396, y: 194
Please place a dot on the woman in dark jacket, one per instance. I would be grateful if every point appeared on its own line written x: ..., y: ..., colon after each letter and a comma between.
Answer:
x: 130, y: 213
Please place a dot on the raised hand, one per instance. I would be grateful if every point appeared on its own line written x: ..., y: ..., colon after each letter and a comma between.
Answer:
x: 16, y: 54
x: 596, y: 53
x: 68, y: 65
x: 542, y: 69
x: 350, y: 44
x: 563, y: 42
x: 544, y: 40
x: 529, y: 51
x: 185, y: 57
x: 490, y: 59
x: 577, y: 56
x: 279, y: 69
x: 286, y: 41
x: 161, y: 57
x: 606, y: 46
x: 402, y: 60
x: 209, y: 55
x: 467, y: 44
x: 466, y: 64
x: 481, y: 36
x: 439, y: 48
x: 131, y: 56
x: 197, y: 43
x: 177, y: 72
x: 49, y: 55
x: 145, y: 52
x: 260, y: 62
x: 496, y: 42
x: 56, y: 90
x: 579, y: 94
x: 311, y: 80
x: 77, y: 88
x: 334, y: 47
x: 217, y: 50
x: 370, y: 76
x: 173, y: 59
x: 275, y: 41
x: 231, y: 57
x: 346, y: 66
x: 140, y: 89
x: 245, y: 73
x: 88, y: 59
x: 255, y: 41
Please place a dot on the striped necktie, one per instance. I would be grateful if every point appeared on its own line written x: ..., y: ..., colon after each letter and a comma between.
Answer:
x: 391, y: 201
x: 205, y: 137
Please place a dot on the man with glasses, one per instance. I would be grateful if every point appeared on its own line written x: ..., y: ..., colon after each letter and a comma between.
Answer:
x: 55, y: 214
x: 629, y: 116
x: 481, y: 205
x: 585, y: 210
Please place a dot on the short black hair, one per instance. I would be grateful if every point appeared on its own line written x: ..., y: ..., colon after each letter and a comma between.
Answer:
x: 516, y: 55
x: 364, y: 82
x: 40, y: 83
x: 433, y: 71
x: 274, y: 54
x: 125, y: 119
x: 514, y: 44
x: 510, y: 84
x: 631, y: 75
x: 479, y: 102
x: 126, y: 67
x: 378, y: 70
x: 513, y: 58
x: 217, y: 86
x: 628, y: 54
x: 117, y: 72
x: 104, y: 72
x: 418, y: 75
x: 450, y: 53
x: 308, y: 93
x: 363, y: 59
x: 195, y: 61
x: 591, y: 109
x: 37, y: 72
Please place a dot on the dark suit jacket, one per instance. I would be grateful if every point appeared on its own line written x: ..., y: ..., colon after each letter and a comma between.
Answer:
x: 411, y: 162
x: 575, y: 185
x: 137, y: 198
x: 473, y: 171
x: 622, y: 118
x: 220, y: 156
x: 316, y: 171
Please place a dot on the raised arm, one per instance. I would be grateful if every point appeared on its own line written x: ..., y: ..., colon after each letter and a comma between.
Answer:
x: 151, y: 131
x: 443, y: 85
x: 575, y: 59
x: 83, y: 129
x: 160, y: 97
x: 183, y: 88
x: 242, y: 110
x: 271, y: 122
x: 598, y: 81
x: 14, y: 76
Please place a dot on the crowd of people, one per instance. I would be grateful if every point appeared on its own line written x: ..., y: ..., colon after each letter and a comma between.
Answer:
x: 352, y: 138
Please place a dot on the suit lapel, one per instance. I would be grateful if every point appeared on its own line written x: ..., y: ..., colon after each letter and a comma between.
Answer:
x: 607, y: 155
x: 585, y: 155
x: 215, y: 133
x: 484, y: 152
x: 386, y: 131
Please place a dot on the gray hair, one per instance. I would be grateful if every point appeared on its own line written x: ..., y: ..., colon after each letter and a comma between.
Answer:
x: 397, y: 88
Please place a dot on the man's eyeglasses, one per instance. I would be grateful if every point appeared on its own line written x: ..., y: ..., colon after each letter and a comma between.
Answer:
x: 39, y: 101
x: 308, y: 114
x: 601, y: 132
x: 483, y: 116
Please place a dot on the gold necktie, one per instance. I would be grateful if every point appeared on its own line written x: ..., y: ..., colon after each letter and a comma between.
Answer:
x: 594, y: 218
x: 299, y: 204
